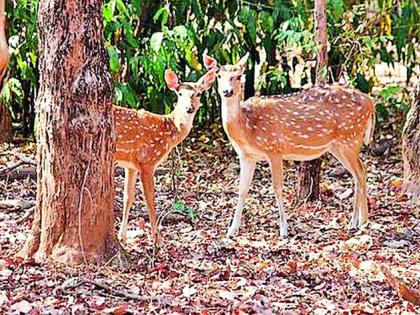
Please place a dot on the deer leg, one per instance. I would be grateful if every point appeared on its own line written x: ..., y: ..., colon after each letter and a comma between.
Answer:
x: 350, y: 160
x: 128, y: 198
x: 363, y: 202
x: 277, y: 179
x: 246, y: 174
x: 147, y: 179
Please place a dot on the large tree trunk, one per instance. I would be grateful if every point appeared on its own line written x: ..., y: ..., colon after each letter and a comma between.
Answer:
x: 74, y: 220
x: 411, y: 149
x: 309, y: 172
x: 5, y: 119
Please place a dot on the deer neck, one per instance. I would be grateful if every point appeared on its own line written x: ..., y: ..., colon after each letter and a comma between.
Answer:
x: 181, y: 125
x: 231, y: 108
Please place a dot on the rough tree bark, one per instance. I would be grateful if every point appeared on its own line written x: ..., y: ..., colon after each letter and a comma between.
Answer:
x: 309, y: 172
x: 5, y: 119
x: 74, y: 220
x: 411, y: 149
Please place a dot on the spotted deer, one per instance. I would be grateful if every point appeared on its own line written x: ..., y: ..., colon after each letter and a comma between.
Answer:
x: 145, y: 139
x: 301, y: 126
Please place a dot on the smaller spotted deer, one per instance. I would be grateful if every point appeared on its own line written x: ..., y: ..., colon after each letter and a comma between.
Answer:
x: 301, y: 126
x: 145, y: 139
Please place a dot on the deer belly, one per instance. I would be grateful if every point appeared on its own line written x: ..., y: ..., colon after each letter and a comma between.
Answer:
x: 305, y: 155
x: 126, y: 164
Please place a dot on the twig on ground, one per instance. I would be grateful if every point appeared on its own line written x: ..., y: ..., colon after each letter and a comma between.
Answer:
x: 26, y: 216
x: 22, y: 160
x: 73, y: 283
x: 20, y: 173
x: 16, y: 203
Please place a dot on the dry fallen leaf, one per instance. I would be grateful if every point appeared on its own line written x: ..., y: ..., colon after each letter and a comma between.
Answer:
x: 188, y: 291
x: 406, y: 293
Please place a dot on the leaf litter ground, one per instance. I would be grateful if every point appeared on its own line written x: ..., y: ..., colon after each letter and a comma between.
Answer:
x: 322, y: 268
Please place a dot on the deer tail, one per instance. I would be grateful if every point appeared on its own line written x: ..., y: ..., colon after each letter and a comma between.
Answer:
x: 370, y: 128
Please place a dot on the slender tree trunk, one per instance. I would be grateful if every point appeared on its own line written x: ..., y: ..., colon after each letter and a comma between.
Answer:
x: 5, y: 119
x: 309, y: 172
x: 411, y: 149
x: 74, y: 219
x: 5, y: 124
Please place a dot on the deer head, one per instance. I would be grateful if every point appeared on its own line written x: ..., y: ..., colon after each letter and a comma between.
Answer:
x: 230, y: 77
x: 188, y: 94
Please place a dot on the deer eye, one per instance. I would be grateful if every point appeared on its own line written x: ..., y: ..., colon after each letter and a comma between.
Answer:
x: 198, y: 94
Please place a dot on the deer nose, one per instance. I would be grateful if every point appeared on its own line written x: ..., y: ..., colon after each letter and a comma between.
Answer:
x: 228, y: 93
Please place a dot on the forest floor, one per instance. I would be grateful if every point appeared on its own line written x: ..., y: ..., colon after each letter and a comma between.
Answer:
x: 322, y: 268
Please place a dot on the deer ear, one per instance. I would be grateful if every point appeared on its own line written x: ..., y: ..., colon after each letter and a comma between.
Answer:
x: 207, y: 80
x: 209, y: 62
x: 171, y: 80
x: 242, y: 62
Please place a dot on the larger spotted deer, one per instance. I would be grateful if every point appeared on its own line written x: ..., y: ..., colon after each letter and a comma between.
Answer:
x: 302, y: 126
x: 145, y: 139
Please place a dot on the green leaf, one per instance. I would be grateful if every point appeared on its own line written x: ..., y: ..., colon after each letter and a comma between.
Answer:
x: 336, y: 8
x: 108, y: 12
x: 114, y: 61
x: 389, y: 91
x: 156, y: 41
x: 180, y: 31
x: 161, y: 14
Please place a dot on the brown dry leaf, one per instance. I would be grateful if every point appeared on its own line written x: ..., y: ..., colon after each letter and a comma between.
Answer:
x: 397, y: 182
x: 408, y: 294
x: 120, y: 310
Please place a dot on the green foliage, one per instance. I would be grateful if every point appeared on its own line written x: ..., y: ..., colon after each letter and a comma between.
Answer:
x: 145, y: 37
x: 20, y: 90
x: 182, y: 209
x: 392, y: 100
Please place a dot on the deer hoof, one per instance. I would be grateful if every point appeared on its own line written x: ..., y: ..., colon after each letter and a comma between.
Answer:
x: 232, y: 232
